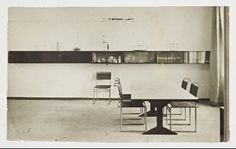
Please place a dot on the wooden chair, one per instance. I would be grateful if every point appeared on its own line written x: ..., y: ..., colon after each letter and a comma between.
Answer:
x: 126, y: 102
x: 103, y: 84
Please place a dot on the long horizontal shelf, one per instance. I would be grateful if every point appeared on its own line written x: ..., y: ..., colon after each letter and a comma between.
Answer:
x: 110, y: 57
x: 49, y: 57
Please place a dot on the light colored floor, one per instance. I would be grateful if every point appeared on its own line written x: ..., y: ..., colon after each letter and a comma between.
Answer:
x: 80, y: 120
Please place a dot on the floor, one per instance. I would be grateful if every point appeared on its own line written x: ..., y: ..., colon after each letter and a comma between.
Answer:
x: 80, y: 120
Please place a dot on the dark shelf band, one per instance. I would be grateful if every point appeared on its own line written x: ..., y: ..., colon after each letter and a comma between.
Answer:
x: 147, y: 57
x: 49, y: 57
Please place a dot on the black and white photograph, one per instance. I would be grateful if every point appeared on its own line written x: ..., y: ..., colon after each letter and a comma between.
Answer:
x: 118, y: 74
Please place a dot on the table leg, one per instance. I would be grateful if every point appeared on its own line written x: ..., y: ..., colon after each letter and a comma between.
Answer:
x: 159, y: 129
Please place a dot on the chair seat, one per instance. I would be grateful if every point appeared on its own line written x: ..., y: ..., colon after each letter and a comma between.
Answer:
x: 182, y: 104
x: 102, y: 86
x: 132, y: 104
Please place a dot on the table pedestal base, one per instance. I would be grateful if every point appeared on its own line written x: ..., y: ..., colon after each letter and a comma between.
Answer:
x: 159, y: 131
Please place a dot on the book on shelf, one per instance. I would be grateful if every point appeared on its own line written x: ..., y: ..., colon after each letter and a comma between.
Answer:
x: 201, y: 57
x: 192, y: 57
x: 186, y: 59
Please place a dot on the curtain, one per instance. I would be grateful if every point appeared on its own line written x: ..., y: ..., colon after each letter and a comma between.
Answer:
x: 219, y: 65
x: 218, y: 53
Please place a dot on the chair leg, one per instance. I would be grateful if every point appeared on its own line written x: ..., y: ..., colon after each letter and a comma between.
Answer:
x: 109, y: 96
x: 145, y: 117
x: 190, y: 118
x: 94, y: 98
x: 168, y: 112
x: 181, y: 113
x: 121, y: 119
x: 185, y: 114
x: 163, y: 112
x: 195, y: 118
x: 170, y: 118
x: 166, y: 116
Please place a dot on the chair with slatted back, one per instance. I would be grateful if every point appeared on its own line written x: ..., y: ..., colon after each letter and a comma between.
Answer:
x: 181, y: 104
x: 103, y: 84
x: 126, y: 102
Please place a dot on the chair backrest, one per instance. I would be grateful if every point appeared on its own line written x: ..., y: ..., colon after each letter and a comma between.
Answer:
x: 185, y: 82
x: 194, y: 89
x: 123, y: 97
x: 118, y: 85
x: 103, y: 78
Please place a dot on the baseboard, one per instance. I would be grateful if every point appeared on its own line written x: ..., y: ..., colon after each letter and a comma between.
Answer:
x: 57, y: 98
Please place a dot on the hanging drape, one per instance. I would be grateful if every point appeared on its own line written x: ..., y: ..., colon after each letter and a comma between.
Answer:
x: 218, y: 56
x: 219, y: 66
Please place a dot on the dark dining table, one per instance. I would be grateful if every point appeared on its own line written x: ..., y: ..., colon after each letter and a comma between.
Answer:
x: 159, y: 95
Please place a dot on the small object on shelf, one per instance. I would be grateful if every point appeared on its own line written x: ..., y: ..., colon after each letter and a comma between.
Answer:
x: 175, y: 60
x: 76, y: 49
x: 115, y: 61
x: 159, y: 59
x: 103, y: 60
x: 119, y: 59
x: 94, y: 60
x: 110, y: 59
x: 162, y: 60
x: 166, y: 59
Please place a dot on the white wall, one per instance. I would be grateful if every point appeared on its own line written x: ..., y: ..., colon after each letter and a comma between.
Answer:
x: 161, y: 28
x: 77, y: 80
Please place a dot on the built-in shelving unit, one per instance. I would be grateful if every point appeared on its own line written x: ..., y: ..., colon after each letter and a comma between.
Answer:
x: 111, y: 57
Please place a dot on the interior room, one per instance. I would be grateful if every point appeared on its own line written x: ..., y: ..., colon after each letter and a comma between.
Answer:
x: 118, y: 74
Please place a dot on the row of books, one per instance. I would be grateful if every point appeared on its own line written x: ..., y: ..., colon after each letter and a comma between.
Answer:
x: 196, y: 57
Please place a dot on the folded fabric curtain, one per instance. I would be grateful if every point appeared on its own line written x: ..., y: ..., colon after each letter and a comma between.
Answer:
x: 219, y: 66
x: 217, y: 60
